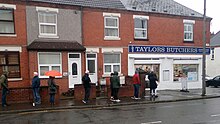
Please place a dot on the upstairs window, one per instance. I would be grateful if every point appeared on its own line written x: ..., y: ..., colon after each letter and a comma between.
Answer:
x: 47, y: 18
x: 111, y: 25
x: 140, y: 27
x: 188, y: 30
x: 7, y: 21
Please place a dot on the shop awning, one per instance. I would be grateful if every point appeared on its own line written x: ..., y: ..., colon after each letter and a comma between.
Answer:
x: 56, y: 45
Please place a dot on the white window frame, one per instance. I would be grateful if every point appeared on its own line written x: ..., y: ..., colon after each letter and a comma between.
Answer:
x: 111, y: 64
x: 141, y: 29
x: 111, y: 16
x: 52, y: 11
x: 12, y: 8
x: 49, y: 65
x: 189, y: 23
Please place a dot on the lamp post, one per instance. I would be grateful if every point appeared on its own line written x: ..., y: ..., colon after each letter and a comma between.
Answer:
x: 204, y: 52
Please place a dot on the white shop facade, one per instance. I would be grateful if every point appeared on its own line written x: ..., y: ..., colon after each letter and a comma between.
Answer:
x: 172, y: 64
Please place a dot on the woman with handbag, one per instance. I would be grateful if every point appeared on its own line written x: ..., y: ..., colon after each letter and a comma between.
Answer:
x: 52, y: 89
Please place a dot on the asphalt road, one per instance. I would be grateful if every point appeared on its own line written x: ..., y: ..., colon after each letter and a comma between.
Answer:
x: 206, y: 111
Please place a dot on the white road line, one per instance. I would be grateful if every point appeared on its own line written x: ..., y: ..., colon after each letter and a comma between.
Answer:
x: 154, y: 122
x: 217, y: 115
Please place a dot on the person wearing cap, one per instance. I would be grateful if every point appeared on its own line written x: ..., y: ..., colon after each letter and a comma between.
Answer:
x: 87, y: 85
x: 36, y: 89
x: 4, y: 85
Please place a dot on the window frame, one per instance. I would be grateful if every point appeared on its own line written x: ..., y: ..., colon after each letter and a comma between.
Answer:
x: 189, y: 32
x: 111, y: 27
x: 111, y: 64
x: 47, y: 24
x: 142, y: 18
x: 6, y: 65
x: 49, y: 65
x: 11, y: 21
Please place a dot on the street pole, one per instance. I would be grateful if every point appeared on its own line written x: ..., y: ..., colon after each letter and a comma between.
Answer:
x: 204, y: 52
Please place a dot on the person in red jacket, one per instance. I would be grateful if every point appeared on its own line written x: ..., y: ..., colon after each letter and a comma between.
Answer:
x: 136, y: 83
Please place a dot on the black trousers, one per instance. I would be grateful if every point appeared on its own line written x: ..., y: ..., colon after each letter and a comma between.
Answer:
x: 87, y: 93
x: 115, y: 93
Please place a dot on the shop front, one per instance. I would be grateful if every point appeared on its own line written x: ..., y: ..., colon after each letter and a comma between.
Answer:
x: 171, y: 64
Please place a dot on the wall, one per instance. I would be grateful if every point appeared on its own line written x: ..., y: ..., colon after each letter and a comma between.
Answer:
x: 212, y: 66
x: 68, y: 25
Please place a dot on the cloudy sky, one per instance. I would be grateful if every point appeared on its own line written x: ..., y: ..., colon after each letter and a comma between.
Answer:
x: 212, y: 10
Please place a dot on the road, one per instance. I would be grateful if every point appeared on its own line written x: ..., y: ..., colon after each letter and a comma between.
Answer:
x: 205, y: 111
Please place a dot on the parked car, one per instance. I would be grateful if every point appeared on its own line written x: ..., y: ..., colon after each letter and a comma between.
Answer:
x: 207, y: 77
x: 213, y: 82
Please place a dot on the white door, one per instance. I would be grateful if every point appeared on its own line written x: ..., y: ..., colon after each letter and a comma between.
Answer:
x: 74, y: 69
x: 91, y: 65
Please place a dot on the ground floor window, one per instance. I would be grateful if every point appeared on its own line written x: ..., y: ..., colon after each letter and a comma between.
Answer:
x: 148, y: 67
x: 112, y: 62
x: 189, y: 71
x: 49, y: 61
x: 10, y: 61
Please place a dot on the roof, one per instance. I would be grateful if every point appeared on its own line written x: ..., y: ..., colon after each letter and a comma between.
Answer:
x: 112, y: 4
x: 160, y: 6
x: 152, y: 6
x: 58, y: 45
x: 215, y: 40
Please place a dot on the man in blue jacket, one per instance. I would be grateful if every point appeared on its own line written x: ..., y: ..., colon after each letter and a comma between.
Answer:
x: 36, y: 89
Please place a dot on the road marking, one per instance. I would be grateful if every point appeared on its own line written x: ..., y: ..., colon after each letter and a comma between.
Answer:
x: 154, y: 122
x: 217, y: 115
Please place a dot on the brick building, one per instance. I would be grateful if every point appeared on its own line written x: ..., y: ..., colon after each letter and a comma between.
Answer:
x: 102, y: 36
x: 164, y: 36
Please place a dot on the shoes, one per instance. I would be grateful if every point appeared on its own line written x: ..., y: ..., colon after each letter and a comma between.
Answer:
x: 33, y: 104
x: 84, y: 101
x: 136, y: 98
x: 5, y: 105
x: 118, y: 100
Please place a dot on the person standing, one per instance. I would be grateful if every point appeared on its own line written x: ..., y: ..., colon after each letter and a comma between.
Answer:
x: 136, y: 84
x: 87, y: 85
x: 115, y: 86
x: 52, y: 89
x: 153, y: 84
x: 4, y: 85
x: 36, y: 89
x: 111, y: 76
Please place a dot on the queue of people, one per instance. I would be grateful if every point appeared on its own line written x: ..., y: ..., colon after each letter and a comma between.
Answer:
x: 52, y: 87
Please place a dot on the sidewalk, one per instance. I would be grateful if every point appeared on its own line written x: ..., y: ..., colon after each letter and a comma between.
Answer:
x: 163, y: 96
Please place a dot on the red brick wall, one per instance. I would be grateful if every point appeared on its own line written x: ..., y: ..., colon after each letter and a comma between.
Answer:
x: 19, y: 41
x: 79, y: 92
x: 25, y: 94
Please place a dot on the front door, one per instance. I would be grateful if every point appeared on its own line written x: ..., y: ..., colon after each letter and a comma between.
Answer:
x: 74, y: 67
x: 91, y: 65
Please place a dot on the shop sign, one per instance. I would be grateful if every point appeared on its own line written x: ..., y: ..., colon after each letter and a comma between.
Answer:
x: 167, y: 49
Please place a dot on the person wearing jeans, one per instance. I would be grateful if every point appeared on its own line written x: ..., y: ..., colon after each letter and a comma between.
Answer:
x: 4, y: 85
x: 136, y: 84
x: 36, y: 89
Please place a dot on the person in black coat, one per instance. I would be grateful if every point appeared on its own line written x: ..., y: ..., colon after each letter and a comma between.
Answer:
x: 87, y: 86
x: 52, y: 89
x: 153, y: 83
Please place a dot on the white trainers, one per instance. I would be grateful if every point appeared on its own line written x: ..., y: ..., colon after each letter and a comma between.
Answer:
x: 118, y: 100
x: 33, y: 104
x: 84, y: 101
